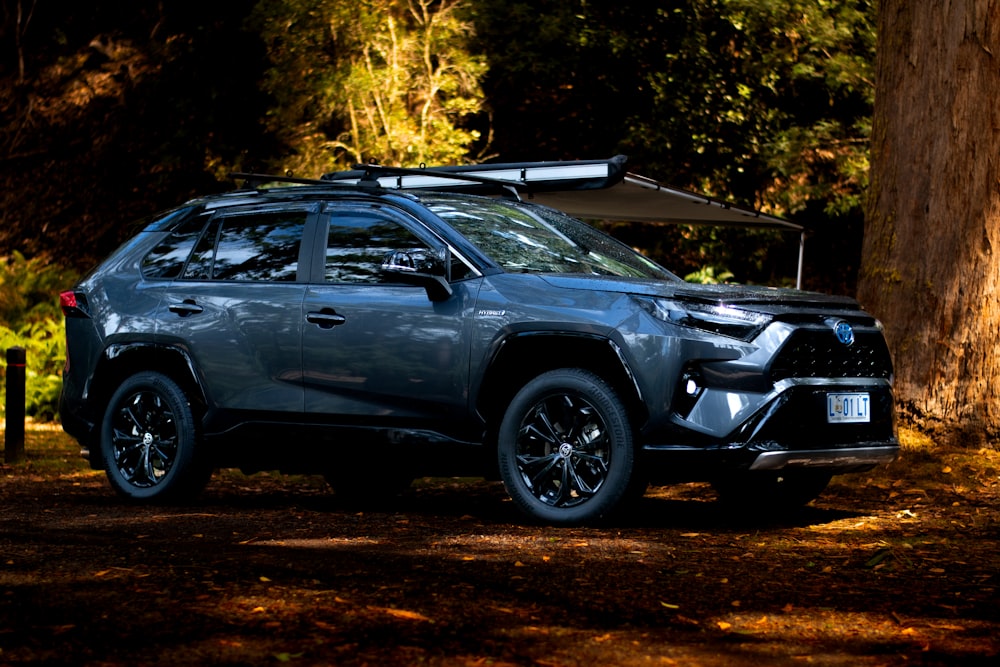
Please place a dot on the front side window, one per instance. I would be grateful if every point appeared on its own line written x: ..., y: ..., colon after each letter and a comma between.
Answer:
x: 358, y: 243
x: 257, y: 247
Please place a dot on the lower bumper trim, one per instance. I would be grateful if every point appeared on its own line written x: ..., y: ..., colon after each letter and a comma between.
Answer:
x: 832, y: 459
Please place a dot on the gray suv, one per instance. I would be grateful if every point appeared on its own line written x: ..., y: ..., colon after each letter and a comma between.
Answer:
x: 376, y: 334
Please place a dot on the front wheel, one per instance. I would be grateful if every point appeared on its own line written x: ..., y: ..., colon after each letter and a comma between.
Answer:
x: 148, y: 441
x: 565, y: 448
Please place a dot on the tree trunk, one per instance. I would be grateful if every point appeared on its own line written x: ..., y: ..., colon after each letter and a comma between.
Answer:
x: 931, y: 255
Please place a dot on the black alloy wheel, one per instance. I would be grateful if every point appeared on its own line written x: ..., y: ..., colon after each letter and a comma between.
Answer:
x: 148, y: 441
x: 565, y: 448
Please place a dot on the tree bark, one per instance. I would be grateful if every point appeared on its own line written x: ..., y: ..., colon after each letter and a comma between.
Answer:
x: 931, y: 254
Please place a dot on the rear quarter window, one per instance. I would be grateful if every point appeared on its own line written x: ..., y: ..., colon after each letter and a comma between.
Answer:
x: 166, y: 261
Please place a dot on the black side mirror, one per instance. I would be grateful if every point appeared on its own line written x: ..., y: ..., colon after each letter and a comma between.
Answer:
x: 420, y: 267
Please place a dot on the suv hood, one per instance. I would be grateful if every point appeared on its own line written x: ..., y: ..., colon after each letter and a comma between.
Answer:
x: 764, y: 299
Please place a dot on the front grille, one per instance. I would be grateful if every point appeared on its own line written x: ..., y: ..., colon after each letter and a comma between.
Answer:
x: 818, y: 354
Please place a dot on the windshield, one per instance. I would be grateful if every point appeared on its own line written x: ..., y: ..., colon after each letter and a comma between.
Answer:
x: 526, y: 238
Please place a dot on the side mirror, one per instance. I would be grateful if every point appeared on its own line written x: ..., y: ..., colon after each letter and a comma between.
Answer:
x: 420, y: 267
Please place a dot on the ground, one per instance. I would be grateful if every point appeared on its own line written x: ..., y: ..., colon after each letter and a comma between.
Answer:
x: 897, y: 566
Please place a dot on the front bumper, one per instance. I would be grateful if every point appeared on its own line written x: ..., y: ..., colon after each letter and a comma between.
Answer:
x: 785, y: 428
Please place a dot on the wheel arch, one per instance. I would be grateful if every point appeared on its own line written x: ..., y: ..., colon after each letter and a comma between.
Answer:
x: 121, y: 360
x: 523, y: 356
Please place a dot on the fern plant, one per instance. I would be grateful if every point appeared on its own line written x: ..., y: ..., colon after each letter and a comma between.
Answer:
x: 30, y: 318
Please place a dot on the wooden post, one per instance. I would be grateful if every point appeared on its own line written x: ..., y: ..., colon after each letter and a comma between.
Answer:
x: 14, y: 433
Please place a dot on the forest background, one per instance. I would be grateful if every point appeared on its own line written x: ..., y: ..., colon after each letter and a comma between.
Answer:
x: 112, y: 110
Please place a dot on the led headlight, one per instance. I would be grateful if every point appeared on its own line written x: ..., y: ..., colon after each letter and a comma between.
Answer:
x: 723, y: 320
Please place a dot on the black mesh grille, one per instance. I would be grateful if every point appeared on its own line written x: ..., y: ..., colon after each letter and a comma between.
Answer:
x: 818, y: 354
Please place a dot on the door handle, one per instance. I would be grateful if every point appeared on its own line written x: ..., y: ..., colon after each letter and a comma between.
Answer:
x: 326, y: 318
x: 185, y: 308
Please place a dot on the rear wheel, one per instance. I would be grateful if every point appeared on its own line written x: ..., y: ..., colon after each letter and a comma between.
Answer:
x: 149, y: 443
x: 565, y: 448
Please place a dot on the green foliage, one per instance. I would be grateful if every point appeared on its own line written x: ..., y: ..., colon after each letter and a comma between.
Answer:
x: 764, y: 102
x: 29, y: 290
x: 389, y: 80
x: 30, y: 318
x: 709, y: 275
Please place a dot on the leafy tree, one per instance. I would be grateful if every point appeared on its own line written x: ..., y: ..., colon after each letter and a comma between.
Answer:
x: 765, y: 102
x: 389, y: 80
x: 124, y: 108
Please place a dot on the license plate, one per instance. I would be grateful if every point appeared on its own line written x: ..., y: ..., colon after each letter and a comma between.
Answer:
x: 848, y: 408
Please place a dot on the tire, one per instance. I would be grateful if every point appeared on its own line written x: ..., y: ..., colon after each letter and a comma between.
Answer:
x: 565, y: 448
x: 149, y: 443
x: 780, y: 492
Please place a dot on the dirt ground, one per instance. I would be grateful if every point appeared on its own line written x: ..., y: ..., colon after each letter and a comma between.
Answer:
x: 898, y: 566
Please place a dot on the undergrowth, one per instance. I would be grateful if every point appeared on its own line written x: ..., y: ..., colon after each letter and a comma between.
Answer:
x: 30, y: 318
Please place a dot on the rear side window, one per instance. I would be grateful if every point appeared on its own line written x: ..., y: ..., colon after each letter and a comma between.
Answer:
x: 256, y: 247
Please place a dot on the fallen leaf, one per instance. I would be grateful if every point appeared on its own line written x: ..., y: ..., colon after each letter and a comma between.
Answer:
x: 724, y: 626
x: 287, y: 657
x: 403, y: 613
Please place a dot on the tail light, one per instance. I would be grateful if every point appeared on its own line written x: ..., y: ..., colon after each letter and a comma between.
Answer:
x: 74, y: 304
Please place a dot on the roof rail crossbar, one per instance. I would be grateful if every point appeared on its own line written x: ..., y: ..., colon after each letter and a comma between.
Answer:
x: 253, y: 180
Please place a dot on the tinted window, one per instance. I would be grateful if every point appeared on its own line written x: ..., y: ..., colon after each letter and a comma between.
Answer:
x: 358, y: 243
x: 167, y: 259
x: 258, y: 247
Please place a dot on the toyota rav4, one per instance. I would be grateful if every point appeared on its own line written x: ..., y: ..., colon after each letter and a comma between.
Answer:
x: 374, y: 333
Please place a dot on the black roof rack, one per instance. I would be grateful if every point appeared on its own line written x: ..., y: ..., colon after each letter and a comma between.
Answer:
x: 514, y: 177
x: 510, y: 177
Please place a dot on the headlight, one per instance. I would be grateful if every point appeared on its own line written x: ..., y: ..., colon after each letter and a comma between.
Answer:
x: 723, y: 320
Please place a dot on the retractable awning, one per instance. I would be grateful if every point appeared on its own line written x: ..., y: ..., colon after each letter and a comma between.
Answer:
x: 639, y: 199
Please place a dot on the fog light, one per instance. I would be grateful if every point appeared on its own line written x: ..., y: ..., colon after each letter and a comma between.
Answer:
x: 689, y: 389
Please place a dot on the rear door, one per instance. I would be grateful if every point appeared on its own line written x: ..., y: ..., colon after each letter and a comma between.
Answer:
x: 376, y: 350
x: 237, y: 310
